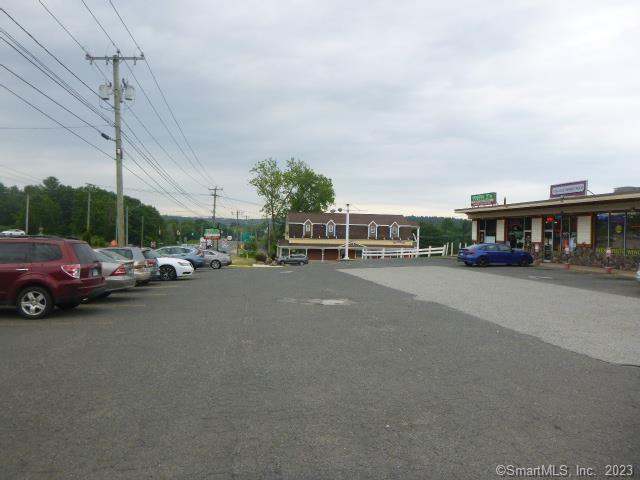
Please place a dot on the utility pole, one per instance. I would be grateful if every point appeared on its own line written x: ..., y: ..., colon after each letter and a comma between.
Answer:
x: 346, y: 244
x: 89, y: 209
x: 213, y: 212
x: 26, y: 221
x: 117, y: 99
x: 142, y: 233
x: 126, y: 234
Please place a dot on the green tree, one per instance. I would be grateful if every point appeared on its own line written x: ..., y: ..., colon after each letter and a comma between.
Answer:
x: 311, y: 192
x: 295, y: 188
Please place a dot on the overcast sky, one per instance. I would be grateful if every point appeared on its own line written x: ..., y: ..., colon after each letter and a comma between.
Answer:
x: 409, y: 107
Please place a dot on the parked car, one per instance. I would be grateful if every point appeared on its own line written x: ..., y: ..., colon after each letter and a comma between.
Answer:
x: 193, y: 255
x: 117, y: 273
x: 39, y: 272
x: 216, y: 259
x: 294, y: 259
x: 638, y: 273
x: 142, y: 270
x: 13, y: 233
x: 484, y: 254
x: 169, y: 268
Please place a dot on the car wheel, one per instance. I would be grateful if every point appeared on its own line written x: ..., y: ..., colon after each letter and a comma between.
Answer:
x: 34, y: 302
x: 167, y: 272
x: 468, y: 264
x: 483, y: 262
x: 301, y: 263
x: 281, y: 263
x: 67, y: 306
x: 524, y: 262
x: 215, y: 264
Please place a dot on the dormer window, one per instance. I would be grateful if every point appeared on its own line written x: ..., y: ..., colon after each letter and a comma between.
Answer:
x: 373, y: 230
x: 394, y: 230
x: 330, y: 228
x: 307, y: 227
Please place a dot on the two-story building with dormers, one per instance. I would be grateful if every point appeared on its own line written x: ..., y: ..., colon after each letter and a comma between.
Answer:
x: 322, y: 236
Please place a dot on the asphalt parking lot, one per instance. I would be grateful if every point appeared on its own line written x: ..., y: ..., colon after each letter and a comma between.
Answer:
x: 316, y: 372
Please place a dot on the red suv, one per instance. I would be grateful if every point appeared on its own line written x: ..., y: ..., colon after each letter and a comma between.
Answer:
x: 37, y: 273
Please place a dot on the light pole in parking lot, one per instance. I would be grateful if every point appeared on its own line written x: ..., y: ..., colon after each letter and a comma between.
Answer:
x: 346, y: 243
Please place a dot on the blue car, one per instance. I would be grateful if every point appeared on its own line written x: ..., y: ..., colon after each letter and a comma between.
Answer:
x: 193, y: 255
x: 484, y: 254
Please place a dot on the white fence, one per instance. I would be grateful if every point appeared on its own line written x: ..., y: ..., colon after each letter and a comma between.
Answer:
x: 405, y: 252
x: 444, y: 251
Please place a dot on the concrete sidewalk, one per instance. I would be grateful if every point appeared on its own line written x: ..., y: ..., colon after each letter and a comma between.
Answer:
x: 584, y: 269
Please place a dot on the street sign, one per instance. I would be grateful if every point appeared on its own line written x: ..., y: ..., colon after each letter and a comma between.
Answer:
x: 572, y: 189
x: 212, y: 234
x: 480, y: 199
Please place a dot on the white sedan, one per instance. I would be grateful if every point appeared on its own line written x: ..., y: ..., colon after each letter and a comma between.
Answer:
x: 170, y: 268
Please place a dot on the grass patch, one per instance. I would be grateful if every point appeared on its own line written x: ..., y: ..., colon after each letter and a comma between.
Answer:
x: 243, y: 261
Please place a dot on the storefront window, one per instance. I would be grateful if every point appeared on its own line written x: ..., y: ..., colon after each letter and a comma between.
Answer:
x: 490, y: 231
x: 633, y: 233
x: 569, y: 232
x: 515, y: 233
x: 616, y: 230
x: 602, y: 230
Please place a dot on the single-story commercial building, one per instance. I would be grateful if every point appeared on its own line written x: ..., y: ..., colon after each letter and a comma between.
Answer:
x: 582, y: 229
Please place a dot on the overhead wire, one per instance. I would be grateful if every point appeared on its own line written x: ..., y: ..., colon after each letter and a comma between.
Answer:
x: 20, y: 48
x: 56, y: 121
x: 141, y: 88
x: 164, y: 98
x: 82, y: 47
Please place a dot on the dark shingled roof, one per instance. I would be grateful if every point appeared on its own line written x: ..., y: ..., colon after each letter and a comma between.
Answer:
x: 354, y: 218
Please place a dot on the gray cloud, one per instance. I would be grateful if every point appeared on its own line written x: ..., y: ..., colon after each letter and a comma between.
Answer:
x: 408, y: 107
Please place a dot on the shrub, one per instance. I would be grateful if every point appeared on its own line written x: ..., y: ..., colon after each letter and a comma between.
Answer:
x: 261, y: 257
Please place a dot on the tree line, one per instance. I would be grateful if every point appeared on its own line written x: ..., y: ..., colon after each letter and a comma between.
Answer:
x: 437, y: 231
x: 57, y: 209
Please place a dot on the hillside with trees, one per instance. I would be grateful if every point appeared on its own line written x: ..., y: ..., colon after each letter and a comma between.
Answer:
x: 437, y: 231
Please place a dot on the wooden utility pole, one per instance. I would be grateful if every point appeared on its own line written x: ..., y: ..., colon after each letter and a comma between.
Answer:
x: 213, y: 213
x: 117, y: 99
x: 26, y: 221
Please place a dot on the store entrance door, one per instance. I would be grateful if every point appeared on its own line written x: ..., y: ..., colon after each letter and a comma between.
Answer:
x: 547, y: 248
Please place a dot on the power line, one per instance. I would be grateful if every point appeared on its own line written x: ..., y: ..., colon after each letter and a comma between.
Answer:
x: 163, y: 149
x: 44, y: 48
x: 36, y: 62
x: 54, y: 120
x: 142, y: 89
x: 99, y: 24
x: 54, y: 101
x: 75, y: 94
x: 104, y: 76
x: 65, y: 86
x: 53, y: 128
x: 164, y: 98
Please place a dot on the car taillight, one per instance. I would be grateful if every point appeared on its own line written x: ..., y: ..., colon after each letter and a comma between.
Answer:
x: 72, y: 270
x: 121, y: 270
x: 151, y: 262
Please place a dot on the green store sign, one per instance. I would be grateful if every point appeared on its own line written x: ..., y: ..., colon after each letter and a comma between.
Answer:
x: 480, y: 199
